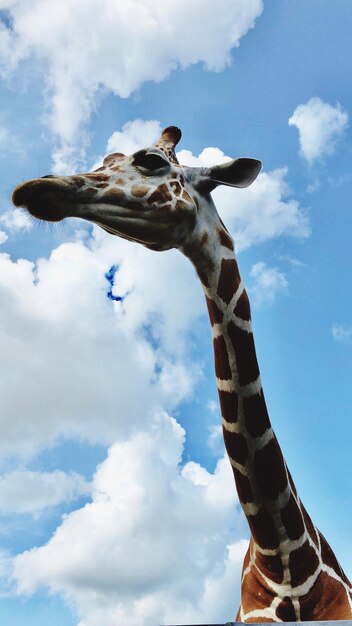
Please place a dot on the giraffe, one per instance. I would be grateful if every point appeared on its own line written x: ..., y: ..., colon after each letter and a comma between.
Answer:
x: 290, y: 573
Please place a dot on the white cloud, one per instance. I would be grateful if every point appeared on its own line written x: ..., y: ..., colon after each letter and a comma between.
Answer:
x: 215, y: 440
x: 4, y: 138
x: 342, y: 333
x: 212, y: 406
x: 268, y: 282
x: 259, y: 213
x: 135, y: 135
x: 87, y: 48
x: 15, y: 220
x: 319, y: 125
x: 9, y: 142
x: 25, y: 491
x: 296, y: 264
x: 78, y: 357
x: 153, y: 546
x: 3, y: 237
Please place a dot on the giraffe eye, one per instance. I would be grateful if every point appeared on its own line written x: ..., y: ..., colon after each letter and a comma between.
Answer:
x: 150, y: 161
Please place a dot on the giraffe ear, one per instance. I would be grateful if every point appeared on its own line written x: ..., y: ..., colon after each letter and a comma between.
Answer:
x: 171, y: 136
x: 236, y: 173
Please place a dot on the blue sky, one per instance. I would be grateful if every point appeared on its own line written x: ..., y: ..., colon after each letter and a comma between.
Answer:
x: 116, y: 504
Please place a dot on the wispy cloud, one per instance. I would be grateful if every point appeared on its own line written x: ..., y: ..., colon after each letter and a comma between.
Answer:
x: 3, y: 237
x: 15, y: 220
x: 9, y: 141
x: 90, y: 48
x: 319, y: 125
x: 25, y: 491
x: 267, y: 283
x: 342, y: 333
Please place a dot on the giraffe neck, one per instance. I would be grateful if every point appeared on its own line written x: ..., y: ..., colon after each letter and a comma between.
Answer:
x: 265, y: 490
x: 287, y: 558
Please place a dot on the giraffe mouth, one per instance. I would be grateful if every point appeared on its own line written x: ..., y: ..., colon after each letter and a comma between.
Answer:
x: 45, y: 198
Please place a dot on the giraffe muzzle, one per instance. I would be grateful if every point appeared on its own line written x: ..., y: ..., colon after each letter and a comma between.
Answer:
x: 44, y: 198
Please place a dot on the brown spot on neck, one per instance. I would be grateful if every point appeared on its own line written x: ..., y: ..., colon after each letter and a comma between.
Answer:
x: 292, y: 519
x: 229, y: 405
x: 263, y: 529
x: 215, y: 315
x: 256, y: 415
x: 242, y: 308
x: 225, y: 239
x: 269, y: 471
x: 285, y: 611
x: 222, y: 367
x: 236, y: 446
x: 244, y: 488
x: 302, y: 562
x: 270, y: 566
x: 243, y: 344
x: 229, y: 279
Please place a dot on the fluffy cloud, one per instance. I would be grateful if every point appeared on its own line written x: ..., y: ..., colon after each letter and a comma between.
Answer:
x: 78, y: 357
x: 3, y: 237
x: 319, y: 125
x: 261, y: 212
x: 135, y: 135
x: 104, y: 45
x: 24, y: 491
x: 153, y: 546
x: 342, y: 333
x: 268, y: 282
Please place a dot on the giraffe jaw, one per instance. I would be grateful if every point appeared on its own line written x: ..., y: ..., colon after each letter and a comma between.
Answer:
x: 134, y: 225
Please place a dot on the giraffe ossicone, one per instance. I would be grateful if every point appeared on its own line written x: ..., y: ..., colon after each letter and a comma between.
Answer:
x: 290, y: 573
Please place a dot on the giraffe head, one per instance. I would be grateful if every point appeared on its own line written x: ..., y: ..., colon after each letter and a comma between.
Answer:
x: 147, y: 197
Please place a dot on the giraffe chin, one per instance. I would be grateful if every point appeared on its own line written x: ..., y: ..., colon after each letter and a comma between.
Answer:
x: 151, y: 245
